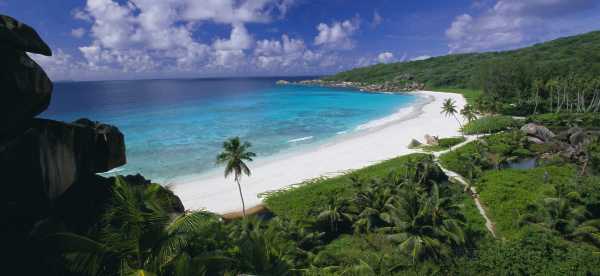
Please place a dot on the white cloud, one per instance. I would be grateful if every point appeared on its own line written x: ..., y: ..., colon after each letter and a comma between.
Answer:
x: 78, y: 33
x: 377, y: 19
x: 510, y: 23
x: 239, y: 39
x: 423, y: 57
x: 385, y: 57
x: 155, y: 34
x: 338, y: 34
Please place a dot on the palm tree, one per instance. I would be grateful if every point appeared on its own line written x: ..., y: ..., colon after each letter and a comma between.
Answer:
x: 336, y: 213
x: 565, y: 215
x: 468, y: 112
x: 136, y: 236
x: 424, y: 226
x: 233, y: 156
x: 449, y: 109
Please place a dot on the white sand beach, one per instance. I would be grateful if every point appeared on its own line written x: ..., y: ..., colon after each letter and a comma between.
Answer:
x: 214, y: 193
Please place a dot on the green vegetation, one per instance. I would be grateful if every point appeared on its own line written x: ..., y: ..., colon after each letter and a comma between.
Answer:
x: 399, y: 217
x: 490, y: 124
x: 563, y: 120
x: 444, y: 144
x: 233, y: 156
x: 490, y: 153
x: 508, y: 193
x: 579, y: 54
x: 555, y: 76
x: 302, y: 203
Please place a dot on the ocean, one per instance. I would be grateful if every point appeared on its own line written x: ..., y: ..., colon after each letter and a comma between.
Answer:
x: 175, y: 128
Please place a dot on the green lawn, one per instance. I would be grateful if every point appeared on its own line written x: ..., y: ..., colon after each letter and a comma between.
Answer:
x: 506, y: 193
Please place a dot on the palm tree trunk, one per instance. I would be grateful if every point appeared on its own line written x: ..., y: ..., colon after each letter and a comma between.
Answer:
x: 459, y: 124
x: 237, y: 180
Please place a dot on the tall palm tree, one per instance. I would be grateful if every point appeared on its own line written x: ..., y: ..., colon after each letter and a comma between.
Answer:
x: 233, y: 156
x: 449, y: 109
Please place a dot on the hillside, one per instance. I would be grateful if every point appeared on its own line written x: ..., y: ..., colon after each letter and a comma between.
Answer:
x: 576, y: 54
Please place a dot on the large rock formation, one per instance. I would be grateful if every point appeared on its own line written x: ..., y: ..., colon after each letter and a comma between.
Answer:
x: 25, y: 87
x: 538, y: 133
x: 40, y: 159
x: 54, y: 155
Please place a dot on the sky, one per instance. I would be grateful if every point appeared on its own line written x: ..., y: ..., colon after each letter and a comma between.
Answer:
x: 133, y: 39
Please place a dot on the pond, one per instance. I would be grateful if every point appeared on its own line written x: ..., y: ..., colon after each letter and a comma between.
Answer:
x: 523, y: 164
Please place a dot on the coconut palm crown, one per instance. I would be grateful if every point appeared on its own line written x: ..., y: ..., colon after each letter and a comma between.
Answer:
x: 234, y: 155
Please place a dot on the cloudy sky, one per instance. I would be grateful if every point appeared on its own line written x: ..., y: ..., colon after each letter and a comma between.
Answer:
x: 128, y: 39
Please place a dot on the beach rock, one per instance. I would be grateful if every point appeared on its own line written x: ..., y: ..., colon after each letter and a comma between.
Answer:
x: 431, y: 140
x: 414, y: 144
x: 282, y: 82
x: 49, y: 156
x: 538, y: 131
x: 26, y: 89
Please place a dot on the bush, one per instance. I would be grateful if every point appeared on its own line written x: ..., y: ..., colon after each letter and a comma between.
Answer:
x: 450, y: 142
x: 444, y: 144
x: 536, y: 254
x: 491, y: 152
x: 507, y: 193
x: 490, y: 124
x: 563, y: 120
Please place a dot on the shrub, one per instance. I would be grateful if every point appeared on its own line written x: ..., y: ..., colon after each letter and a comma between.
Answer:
x: 562, y: 120
x: 449, y: 142
x: 490, y: 124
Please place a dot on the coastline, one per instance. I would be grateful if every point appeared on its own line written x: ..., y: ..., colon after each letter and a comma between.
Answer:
x: 212, y: 192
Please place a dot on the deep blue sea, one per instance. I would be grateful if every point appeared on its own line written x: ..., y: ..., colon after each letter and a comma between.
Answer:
x: 176, y: 128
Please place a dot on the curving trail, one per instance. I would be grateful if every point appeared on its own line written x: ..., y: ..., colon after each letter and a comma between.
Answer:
x: 468, y: 188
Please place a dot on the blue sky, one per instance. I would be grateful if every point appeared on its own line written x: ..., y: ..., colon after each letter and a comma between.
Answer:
x: 127, y: 39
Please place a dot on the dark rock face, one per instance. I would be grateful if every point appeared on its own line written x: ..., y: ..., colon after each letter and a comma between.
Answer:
x: 54, y: 155
x: 25, y: 87
x: 16, y: 35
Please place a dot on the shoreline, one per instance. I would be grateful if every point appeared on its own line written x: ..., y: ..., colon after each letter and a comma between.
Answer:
x: 212, y: 192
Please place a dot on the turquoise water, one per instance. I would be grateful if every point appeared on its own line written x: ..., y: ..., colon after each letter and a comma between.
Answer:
x: 175, y: 128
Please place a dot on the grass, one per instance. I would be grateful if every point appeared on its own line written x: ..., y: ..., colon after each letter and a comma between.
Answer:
x: 471, y: 95
x: 491, y: 124
x: 507, y: 193
x: 302, y: 202
x: 444, y: 144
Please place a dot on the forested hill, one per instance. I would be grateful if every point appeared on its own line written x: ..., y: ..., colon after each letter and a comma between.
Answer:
x: 576, y: 54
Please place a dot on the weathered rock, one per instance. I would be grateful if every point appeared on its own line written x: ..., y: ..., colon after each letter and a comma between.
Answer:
x: 25, y: 87
x: 49, y: 156
x: 576, y: 135
x: 414, y: 144
x: 535, y: 140
x: 431, y: 140
x: 538, y: 131
x: 19, y: 36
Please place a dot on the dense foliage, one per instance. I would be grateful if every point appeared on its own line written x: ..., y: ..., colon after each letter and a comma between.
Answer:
x: 579, y: 54
x: 556, y: 76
